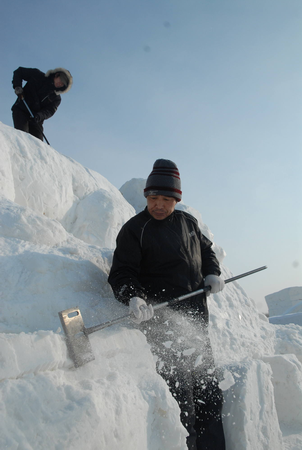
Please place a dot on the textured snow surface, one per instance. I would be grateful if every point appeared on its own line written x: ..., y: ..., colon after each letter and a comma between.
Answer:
x: 58, y: 224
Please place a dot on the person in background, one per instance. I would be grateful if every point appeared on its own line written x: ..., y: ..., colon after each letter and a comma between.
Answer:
x: 42, y: 95
x: 160, y: 255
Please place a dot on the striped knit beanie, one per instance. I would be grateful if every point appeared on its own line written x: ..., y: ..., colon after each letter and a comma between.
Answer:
x: 164, y: 180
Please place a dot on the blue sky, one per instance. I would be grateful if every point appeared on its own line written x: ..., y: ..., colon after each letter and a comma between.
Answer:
x: 216, y: 86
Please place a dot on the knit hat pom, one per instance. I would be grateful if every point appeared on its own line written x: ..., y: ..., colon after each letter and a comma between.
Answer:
x: 164, y: 180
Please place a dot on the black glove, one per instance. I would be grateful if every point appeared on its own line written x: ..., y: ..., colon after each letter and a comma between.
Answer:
x: 37, y: 118
x: 18, y: 90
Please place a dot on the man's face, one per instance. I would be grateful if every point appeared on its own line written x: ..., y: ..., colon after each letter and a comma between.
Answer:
x: 58, y: 82
x: 160, y: 206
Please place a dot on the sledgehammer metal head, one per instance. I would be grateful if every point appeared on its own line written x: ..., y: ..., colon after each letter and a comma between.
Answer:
x: 77, y: 341
x: 76, y: 334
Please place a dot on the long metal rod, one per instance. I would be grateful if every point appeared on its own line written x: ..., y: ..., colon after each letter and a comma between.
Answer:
x: 169, y: 302
x: 206, y: 289
x: 32, y: 116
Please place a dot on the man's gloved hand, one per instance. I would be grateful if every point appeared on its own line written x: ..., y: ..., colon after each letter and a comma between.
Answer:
x: 140, y: 309
x: 216, y: 283
x: 37, y: 118
x: 18, y: 90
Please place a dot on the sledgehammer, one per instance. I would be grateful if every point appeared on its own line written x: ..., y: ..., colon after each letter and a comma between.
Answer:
x: 77, y: 341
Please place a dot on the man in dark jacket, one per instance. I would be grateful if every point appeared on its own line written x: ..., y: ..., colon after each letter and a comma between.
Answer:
x: 161, y: 254
x: 42, y: 95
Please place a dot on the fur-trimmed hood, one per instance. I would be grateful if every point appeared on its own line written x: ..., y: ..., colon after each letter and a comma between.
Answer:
x: 67, y: 73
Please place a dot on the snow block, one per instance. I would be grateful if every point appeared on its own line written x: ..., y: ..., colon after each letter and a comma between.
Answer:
x: 30, y: 353
x: 295, y: 318
x: 250, y: 418
x: 287, y: 382
x: 95, y: 220
x: 36, y: 176
x: 38, y: 282
x: 285, y: 301
x: 288, y: 340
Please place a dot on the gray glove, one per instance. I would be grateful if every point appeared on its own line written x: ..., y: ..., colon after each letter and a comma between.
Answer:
x: 216, y: 283
x: 140, y: 309
x: 18, y: 90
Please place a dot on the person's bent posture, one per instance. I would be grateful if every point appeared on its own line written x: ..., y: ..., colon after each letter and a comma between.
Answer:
x: 161, y: 254
x: 41, y: 94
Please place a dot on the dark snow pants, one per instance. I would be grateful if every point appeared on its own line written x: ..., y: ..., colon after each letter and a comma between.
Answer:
x: 185, y: 360
x: 200, y: 400
x: 23, y: 122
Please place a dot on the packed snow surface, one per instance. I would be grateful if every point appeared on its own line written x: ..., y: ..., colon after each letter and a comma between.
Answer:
x: 58, y: 224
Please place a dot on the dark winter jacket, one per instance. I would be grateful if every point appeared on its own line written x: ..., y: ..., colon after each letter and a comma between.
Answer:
x: 161, y: 259
x: 39, y: 92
